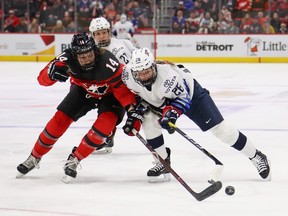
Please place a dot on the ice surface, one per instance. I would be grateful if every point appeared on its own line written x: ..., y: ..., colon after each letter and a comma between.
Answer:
x: 253, y: 97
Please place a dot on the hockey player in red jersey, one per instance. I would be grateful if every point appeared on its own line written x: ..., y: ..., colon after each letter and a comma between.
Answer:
x: 95, y: 76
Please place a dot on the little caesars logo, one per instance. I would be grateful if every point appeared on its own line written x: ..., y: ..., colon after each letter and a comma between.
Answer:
x: 212, y: 46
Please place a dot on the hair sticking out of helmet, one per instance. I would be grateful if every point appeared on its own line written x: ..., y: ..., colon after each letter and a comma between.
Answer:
x: 84, y: 50
x: 98, y: 24
x: 143, y: 67
x: 123, y: 18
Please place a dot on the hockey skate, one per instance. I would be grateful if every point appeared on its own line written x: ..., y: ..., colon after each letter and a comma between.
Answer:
x: 105, y: 148
x: 159, y: 173
x: 70, y: 167
x: 262, y: 165
x: 29, y: 164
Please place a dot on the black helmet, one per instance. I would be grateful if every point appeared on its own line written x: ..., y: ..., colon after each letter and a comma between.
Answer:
x: 83, y: 43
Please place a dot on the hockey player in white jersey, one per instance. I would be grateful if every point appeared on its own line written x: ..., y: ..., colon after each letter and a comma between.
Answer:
x: 172, y: 90
x: 100, y: 30
x: 123, y: 29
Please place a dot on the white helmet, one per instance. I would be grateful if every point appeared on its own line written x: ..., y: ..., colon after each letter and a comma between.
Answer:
x: 141, y: 61
x: 97, y: 24
x: 123, y: 18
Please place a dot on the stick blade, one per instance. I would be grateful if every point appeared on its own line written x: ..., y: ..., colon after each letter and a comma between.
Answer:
x: 209, y: 191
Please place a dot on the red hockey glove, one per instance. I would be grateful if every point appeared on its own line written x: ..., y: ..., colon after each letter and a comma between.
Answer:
x: 134, y: 121
x: 169, y: 114
x: 57, y: 70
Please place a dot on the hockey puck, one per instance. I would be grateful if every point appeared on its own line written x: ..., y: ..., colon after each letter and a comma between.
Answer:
x: 229, y: 190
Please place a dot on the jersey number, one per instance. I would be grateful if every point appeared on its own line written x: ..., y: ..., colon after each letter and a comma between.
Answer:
x: 178, y: 89
x: 125, y: 58
x: 113, y: 65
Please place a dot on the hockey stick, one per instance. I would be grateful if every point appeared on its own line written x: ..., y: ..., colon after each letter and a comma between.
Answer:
x: 215, y: 175
x: 219, y: 166
x: 209, y: 191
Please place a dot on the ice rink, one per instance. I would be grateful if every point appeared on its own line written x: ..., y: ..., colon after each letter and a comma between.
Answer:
x: 253, y: 97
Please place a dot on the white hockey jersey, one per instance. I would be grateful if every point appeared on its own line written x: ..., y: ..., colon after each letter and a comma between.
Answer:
x: 172, y: 82
x: 123, y: 30
x: 122, y: 49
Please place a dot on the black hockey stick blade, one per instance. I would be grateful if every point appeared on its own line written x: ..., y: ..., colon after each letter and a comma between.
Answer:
x: 209, y: 191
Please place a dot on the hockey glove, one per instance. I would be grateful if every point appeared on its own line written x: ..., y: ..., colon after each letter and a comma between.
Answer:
x: 57, y: 70
x: 170, y: 114
x: 134, y: 121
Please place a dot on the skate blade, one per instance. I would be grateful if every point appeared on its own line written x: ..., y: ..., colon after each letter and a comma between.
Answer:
x: 19, y: 175
x: 66, y: 179
x: 157, y: 179
x: 104, y: 150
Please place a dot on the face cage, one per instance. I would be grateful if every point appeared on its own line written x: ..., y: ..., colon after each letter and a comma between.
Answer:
x: 148, y: 82
x: 90, y: 66
x: 103, y: 43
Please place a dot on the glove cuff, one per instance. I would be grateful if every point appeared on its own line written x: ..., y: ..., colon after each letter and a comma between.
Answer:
x: 175, y: 110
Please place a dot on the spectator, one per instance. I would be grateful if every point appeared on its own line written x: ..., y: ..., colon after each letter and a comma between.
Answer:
x: 283, y: 28
x: 207, y: 20
x: 140, y: 14
x: 132, y: 19
x: 226, y: 13
x: 83, y: 8
x: 44, y: 9
x: 283, y: 8
x: 71, y: 28
x: 216, y: 29
x: 67, y: 19
x: 181, y: 7
x: 261, y: 18
x: 34, y: 26
x: 275, y: 22
x: 267, y: 28
x: 245, y: 24
x: 204, y: 29
x: 11, y: 22
x: 243, y: 5
x: 232, y: 29
x: 187, y: 29
x: 197, y: 8
x: 58, y: 28
x: 285, y: 20
x: 188, y: 5
x: 22, y: 27
x: 179, y: 19
x: 96, y: 9
x: 194, y: 20
x: 176, y: 28
x: 110, y: 12
x: 256, y: 27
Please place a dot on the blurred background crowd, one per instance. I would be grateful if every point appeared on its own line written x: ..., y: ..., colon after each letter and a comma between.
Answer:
x: 166, y: 16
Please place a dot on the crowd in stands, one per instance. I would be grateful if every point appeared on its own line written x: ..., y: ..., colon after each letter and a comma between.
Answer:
x: 234, y: 17
x: 63, y: 16
x: 188, y: 17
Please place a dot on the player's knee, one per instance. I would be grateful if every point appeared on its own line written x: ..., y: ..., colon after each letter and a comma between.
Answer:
x: 225, y: 133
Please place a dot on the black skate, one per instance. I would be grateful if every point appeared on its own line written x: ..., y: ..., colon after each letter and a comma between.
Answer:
x: 159, y: 173
x: 29, y: 164
x: 70, y: 167
x: 262, y: 165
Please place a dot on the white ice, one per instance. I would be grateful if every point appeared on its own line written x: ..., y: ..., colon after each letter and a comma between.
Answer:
x: 252, y: 97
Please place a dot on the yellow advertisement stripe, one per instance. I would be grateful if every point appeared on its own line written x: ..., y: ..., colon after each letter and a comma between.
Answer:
x: 49, y: 51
